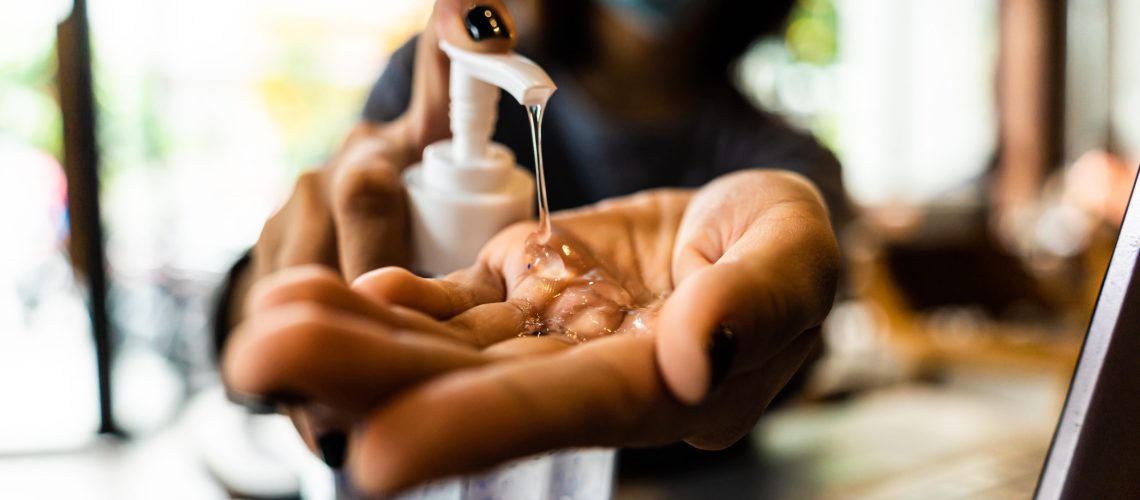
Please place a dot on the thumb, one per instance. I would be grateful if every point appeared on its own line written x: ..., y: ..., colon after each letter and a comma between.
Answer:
x: 483, y: 27
x: 723, y: 319
x: 755, y: 265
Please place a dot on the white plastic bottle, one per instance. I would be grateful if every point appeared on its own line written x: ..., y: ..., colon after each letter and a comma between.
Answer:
x: 468, y: 188
x: 464, y: 191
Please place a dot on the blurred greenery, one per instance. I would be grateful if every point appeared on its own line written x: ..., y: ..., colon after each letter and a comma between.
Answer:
x: 28, y: 94
x: 131, y: 129
x: 811, y: 36
x: 310, y: 112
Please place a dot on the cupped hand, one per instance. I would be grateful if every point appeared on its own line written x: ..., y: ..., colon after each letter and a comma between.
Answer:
x: 674, y: 315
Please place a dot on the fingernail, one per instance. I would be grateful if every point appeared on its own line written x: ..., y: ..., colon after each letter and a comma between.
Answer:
x: 484, y: 22
x: 722, y: 351
x: 332, y: 445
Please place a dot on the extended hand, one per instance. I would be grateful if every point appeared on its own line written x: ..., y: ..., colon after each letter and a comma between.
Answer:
x: 440, y: 382
x: 350, y: 215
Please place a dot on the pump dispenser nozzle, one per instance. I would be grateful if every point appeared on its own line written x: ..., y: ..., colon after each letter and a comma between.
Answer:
x: 474, y: 96
x: 468, y: 188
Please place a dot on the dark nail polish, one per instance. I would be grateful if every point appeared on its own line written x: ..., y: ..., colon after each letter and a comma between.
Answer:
x: 333, y: 445
x: 722, y: 351
x: 483, y: 22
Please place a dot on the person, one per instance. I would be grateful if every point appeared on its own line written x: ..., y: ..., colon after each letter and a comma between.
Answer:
x: 652, y: 156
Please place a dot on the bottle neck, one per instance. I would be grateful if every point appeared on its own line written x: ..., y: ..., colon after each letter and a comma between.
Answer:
x: 473, y: 113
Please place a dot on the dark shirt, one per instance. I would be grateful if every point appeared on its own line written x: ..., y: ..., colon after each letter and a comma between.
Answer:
x: 589, y: 156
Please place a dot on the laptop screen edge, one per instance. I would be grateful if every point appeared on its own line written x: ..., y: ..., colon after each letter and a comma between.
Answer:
x: 1097, y: 340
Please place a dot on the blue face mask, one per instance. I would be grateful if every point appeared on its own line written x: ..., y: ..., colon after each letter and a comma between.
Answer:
x: 652, y: 17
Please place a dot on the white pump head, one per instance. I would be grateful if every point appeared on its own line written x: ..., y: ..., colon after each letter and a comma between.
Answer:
x: 475, y: 80
x: 467, y: 189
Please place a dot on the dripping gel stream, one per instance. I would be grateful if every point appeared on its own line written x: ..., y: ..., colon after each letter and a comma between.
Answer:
x: 545, y: 261
x: 535, y: 114
x: 582, y: 301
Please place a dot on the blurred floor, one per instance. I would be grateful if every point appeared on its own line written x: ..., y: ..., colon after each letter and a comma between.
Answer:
x: 160, y: 466
x: 952, y: 440
x: 969, y: 438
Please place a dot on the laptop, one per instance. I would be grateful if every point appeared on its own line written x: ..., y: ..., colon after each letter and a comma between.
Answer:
x: 1096, y: 446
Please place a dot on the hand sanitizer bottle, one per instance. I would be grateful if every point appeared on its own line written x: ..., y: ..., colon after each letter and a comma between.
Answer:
x: 468, y: 188
x: 464, y: 191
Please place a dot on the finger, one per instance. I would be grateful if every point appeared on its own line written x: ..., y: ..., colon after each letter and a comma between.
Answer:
x: 323, y: 431
x: 602, y: 393
x: 426, y: 120
x: 488, y: 324
x: 441, y: 298
x: 468, y: 300
x: 321, y: 286
x: 302, y: 421
x: 529, y: 346
x: 752, y: 272
x: 697, y: 313
x: 733, y: 411
x: 301, y: 232
x: 369, y: 210
x: 483, y: 26
x: 308, y: 352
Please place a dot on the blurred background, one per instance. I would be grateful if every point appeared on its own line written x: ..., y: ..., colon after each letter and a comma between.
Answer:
x: 989, y: 144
